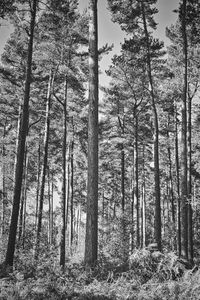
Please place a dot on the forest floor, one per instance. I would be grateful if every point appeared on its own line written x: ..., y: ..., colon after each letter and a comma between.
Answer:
x: 146, y: 276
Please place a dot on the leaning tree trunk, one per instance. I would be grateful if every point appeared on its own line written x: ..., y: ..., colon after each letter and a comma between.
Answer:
x: 91, y: 239
x: 44, y: 165
x: 21, y: 146
x: 158, y: 237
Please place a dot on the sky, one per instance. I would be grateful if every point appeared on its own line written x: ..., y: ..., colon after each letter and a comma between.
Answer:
x: 110, y: 32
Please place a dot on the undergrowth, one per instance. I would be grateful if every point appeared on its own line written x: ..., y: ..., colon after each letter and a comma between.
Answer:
x: 146, y: 276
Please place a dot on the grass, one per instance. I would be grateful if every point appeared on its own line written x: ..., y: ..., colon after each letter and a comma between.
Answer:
x: 146, y: 276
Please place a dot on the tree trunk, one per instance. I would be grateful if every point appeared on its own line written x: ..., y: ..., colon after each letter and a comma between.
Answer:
x: 21, y: 218
x: 68, y: 185
x: 25, y: 203
x: 91, y: 239
x: 78, y: 225
x: 143, y: 202
x: 122, y: 180
x: 63, y: 200
x: 171, y: 189
x: 72, y: 187
x: 184, y: 167
x: 158, y: 237
x: 19, y: 120
x: 178, y: 185
x: 190, y: 212
x: 103, y: 207
x: 50, y: 207
x: 38, y: 182
x: 21, y: 146
x: 3, y: 192
x: 44, y: 165
x: 132, y: 212
x: 137, y: 181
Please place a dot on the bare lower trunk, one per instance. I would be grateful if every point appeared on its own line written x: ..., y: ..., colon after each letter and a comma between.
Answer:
x: 190, y: 212
x: 184, y: 165
x: 44, y: 165
x: 158, y: 237
x: 72, y: 187
x: 21, y: 147
x: 38, y: 183
x: 143, y: 202
x: 21, y: 219
x: 63, y: 199
x: 25, y: 204
x: 91, y: 239
x: 50, y: 207
x: 171, y: 189
x: 137, y: 181
x: 3, y: 192
x: 178, y: 186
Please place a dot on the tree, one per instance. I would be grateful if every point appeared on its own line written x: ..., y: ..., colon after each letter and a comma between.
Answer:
x: 184, y: 164
x: 21, y: 145
x: 45, y: 159
x: 158, y: 237
x: 183, y: 55
x: 132, y: 14
x: 91, y: 239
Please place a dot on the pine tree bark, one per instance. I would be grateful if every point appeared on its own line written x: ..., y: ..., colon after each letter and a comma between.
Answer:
x: 132, y: 205
x: 158, y: 237
x: 122, y: 181
x: 3, y: 192
x: 38, y: 181
x: 178, y: 185
x: 190, y: 210
x: 63, y: 200
x: 21, y: 218
x: 91, y: 239
x: 44, y: 165
x: 50, y: 207
x: 25, y: 202
x: 21, y: 146
x: 143, y: 201
x: 72, y: 187
x: 171, y: 189
x: 184, y: 165
x: 68, y: 186
x: 137, y: 181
